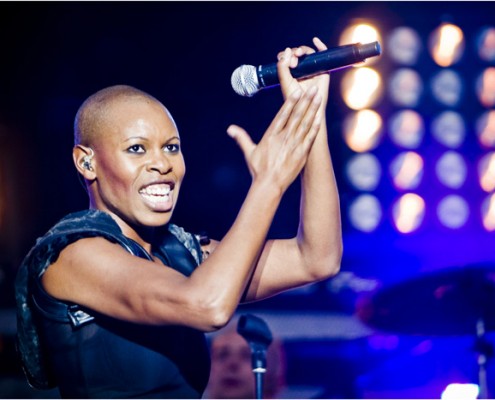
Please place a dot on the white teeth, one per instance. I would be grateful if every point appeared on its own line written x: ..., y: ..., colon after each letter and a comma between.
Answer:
x: 156, y: 190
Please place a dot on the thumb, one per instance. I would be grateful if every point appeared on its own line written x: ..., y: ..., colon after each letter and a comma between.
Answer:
x: 242, y: 138
x: 284, y: 74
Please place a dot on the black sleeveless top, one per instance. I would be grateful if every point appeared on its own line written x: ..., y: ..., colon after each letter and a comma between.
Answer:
x: 89, y: 355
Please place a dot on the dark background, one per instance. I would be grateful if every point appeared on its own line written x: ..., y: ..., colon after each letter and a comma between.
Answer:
x: 55, y: 54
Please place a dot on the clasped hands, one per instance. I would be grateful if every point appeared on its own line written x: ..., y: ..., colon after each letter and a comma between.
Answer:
x: 283, y: 150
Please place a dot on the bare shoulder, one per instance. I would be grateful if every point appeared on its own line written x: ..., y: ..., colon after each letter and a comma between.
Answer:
x: 103, y: 276
x: 85, y: 259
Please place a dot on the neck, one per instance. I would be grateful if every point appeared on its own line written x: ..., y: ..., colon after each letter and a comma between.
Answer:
x: 143, y: 235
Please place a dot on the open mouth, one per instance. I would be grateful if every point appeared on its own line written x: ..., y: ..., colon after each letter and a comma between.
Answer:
x: 158, y: 195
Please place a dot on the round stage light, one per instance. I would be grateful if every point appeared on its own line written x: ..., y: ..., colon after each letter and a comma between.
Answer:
x: 361, y: 88
x: 485, y: 44
x: 446, y: 44
x: 405, y: 87
x: 362, y: 130
x: 364, y: 171
x: 451, y: 169
x: 449, y: 129
x: 406, y: 170
x: 406, y: 129
x: 488, y: 212
x: 408, y: 212
x: 453, y: 211
x: 403, y: 45
x: 486, y: 172
x: 485, y: 129
x: 447, y: 87
x: 485, y: 87
x: 365, y: 213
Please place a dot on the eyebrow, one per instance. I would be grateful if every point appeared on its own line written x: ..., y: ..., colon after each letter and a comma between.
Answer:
x: 147, y: 139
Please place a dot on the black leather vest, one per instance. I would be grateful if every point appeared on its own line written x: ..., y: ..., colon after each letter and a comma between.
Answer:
x: 89, y: 355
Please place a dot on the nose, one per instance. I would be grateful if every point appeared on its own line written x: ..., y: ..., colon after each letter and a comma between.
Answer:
x: 234, y: 362
x: 160, y: 162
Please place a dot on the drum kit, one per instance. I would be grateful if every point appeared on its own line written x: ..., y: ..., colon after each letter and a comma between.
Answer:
x: 453, y: 301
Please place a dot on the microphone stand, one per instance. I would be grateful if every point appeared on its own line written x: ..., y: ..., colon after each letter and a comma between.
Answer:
x: 259, y: 368
x: 484, y: 350
x: 256, y: 332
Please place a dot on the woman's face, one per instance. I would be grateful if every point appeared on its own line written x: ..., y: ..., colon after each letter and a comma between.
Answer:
x: 138, y: 164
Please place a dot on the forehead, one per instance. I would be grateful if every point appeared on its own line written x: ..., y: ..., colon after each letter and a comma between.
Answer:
x: 229, y: 340
x: 136, y: 115
x: 136, y: 106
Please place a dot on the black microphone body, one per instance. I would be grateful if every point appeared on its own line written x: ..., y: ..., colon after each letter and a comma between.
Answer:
x: 247, y: 81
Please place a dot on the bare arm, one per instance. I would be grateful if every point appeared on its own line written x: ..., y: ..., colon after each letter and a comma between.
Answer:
x: 315, y: 253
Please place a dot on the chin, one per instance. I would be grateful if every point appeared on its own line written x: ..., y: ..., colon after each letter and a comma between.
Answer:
x: 157, y: 220
x: 149, y: 219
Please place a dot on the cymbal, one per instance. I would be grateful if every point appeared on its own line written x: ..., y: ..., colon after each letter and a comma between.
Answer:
x: 448, y: 302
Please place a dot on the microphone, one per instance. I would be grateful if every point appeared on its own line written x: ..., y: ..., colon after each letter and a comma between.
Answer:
x: 247, y: 80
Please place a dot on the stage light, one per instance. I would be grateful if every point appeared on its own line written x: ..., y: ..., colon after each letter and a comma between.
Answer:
x: 486, y: 44
x: 406, y: 170
x: 403, y: 45
x: 464, y: 391
x: 405, y: 87
x: 364, y: 171
x: 365, y: 213
x: 442, y: 88
x: 451, y: 169
x: 447, y: 87
x: 453, y: 211
x: 362, y: 130
x: 406, y: 129
x: 485, y: 129
x: 361, y: 88
x: 486, y: 172
x: 449, y: 129
x: 360, y: 31
x: 485, y: 87
x: 488, y: 212
x: 446, y: 44
x: 408, y: 212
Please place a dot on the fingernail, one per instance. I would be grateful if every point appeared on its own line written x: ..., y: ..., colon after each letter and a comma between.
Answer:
x: 230, y: 132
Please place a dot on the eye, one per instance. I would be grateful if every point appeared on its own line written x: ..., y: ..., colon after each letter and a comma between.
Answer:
x: 172, y: 148
x: 221, y: 355
x: 136, y: 148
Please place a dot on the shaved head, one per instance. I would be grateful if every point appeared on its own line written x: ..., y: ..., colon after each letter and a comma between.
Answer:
x: 93, y: 115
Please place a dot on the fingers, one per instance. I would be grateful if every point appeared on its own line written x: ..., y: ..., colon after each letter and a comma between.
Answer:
x: 284, y: 75
x: 297, y: 115
x: 304, y: 117
x: 285, y: 112
x: 319, y: 44
x: 242, y: 139
x: 289, y: 59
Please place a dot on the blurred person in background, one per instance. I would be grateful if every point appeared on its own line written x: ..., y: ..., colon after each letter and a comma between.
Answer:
x: 232, y: 375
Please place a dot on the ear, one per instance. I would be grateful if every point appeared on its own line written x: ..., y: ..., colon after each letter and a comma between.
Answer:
x: 84, y: 162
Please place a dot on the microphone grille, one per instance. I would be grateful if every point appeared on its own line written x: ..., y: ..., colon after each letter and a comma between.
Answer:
x: 244, y: 80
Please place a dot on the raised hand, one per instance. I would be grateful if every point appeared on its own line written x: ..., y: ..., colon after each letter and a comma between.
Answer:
x: 289, y: 59
x: 284, y: 148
